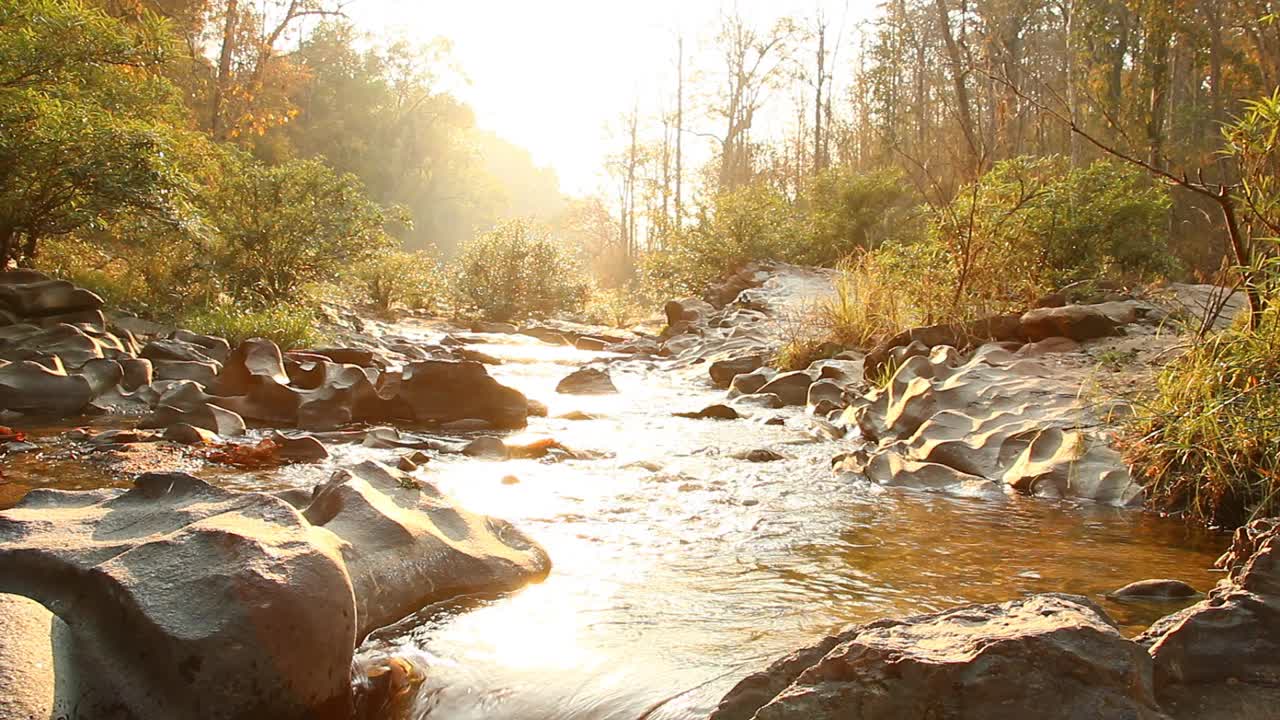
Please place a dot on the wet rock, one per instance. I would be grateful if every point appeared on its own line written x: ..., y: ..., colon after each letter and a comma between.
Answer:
x: 750, y: 383
x: 464, y: 353
x: 1157, y: 589
x: 200, y: 372
x: 962, y: 336
x: 1228, y: 643
x: 711, y: 412
x: 824, y: 391
x: 1078, y: 322
x: 135, y: 373
x: 992, y: 422
x: 186, y: 403
x: 187, y: 434
x: 724, y: 371
x: 510, y: 480
x: 488, y: 448
x: 768, y: 401
x: 299, y: 448
x: 361, y: 357
x: 174, y: 349
x: 591, y: 344
x: 253, y: 363
x: 689, y: 310
x: 442, y: 391
x: 791, y: 387
x: 575, y: 415
x: 1046, y: 656
x: 102, y: 375
x: 537, y: 408
x: 587, y: 381
x: 165, y: 590
x: 407, y: 547
x: 31, y: 388
x: 215, y: 347
x: 760, y: 455
x: 501, y: 328
x: 29, y: 294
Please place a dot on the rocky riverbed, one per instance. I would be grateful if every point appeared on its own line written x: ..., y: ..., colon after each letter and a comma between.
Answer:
x: 699, y: 516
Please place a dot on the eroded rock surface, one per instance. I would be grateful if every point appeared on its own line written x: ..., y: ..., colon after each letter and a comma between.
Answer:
x: 183, y: 600
x: 1046, y: 656
x: 992, y: 424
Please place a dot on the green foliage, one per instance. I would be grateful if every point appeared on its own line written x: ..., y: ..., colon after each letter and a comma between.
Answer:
x: 848, y: 212
x: 516, y: 271
x: 286, y: 325
x: 750, y: 223
x: 285, y: 227
x: 616, y: 307
x: 392, y: 277
x: 1207, y: 443
x: 82, y: 134
x: 1026, y: 228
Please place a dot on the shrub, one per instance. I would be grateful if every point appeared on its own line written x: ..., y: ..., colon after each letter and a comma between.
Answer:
x: 287, y: 226
x: 750, y: 223
x: 616, y: 307
x: 392, y: 277
x: 1207, y: 442
x: 288, y: 326
x: 848, y: 213
x: 516, y: 271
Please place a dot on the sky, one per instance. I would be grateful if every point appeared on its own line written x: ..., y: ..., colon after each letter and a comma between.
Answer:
x: 556, y: 76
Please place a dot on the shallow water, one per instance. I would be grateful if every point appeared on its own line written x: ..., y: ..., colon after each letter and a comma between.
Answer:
x: 677, y: 568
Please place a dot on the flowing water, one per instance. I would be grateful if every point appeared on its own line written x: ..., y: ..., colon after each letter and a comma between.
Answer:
x: 678, y: 568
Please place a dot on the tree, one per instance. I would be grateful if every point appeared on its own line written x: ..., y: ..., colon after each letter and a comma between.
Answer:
x: 82, y: 137
x: 290, y: 225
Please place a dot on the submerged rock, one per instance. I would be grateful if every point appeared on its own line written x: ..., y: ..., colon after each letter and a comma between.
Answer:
x: 1047, y: 656
x: 711, y: 412
x: 587, y: 381
x: 1156, y: 589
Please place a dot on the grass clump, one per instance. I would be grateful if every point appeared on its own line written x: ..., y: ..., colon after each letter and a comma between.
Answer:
x: 1207, y: 442
x: 288, y: 326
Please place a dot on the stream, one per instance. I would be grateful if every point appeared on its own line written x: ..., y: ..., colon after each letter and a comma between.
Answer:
x: 679, y: 568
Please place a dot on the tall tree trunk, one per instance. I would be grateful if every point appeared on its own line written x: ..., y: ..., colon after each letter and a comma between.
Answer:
x: 7, y: 235
x: 818, y: 160
x: 223, y: 81
x: 1158, y: 38
x: 963, y: 108
x: 1073, y: 98
x: 679, y: 128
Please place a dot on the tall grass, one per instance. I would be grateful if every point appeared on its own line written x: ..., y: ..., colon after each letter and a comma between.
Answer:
x: 1207, y: 441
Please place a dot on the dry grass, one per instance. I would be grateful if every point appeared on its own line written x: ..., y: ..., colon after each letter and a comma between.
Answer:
x: 1207, y: 441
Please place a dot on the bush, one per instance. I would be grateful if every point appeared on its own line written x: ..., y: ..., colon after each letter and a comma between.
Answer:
x: 616, y: 307
x: 287, y: 226
x: 1207, y: 442
x: 848, y: 213
x: 288, y: 326
x: 394, y: 277
x: 516, y: 271
x: 750, y: 223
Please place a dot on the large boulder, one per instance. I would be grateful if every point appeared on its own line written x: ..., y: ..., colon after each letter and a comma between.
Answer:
x: 440, y: 391
x: 186, y: 601
x: 995, y: 423
x: 1078, y: 322
x: 407, y: 546
x: 1228, y: 643
x: 182, y: 600
x: 962, y: 336
x: 1046, y: 656
x: 253, y: 363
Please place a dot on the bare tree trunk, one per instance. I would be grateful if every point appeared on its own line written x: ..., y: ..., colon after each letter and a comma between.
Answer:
x: 223, y: 81
x: 679, y: 128
x: 818, y: 160
x: 1073, y: 98
x: 1157, y: 46
x: 963, y: 108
